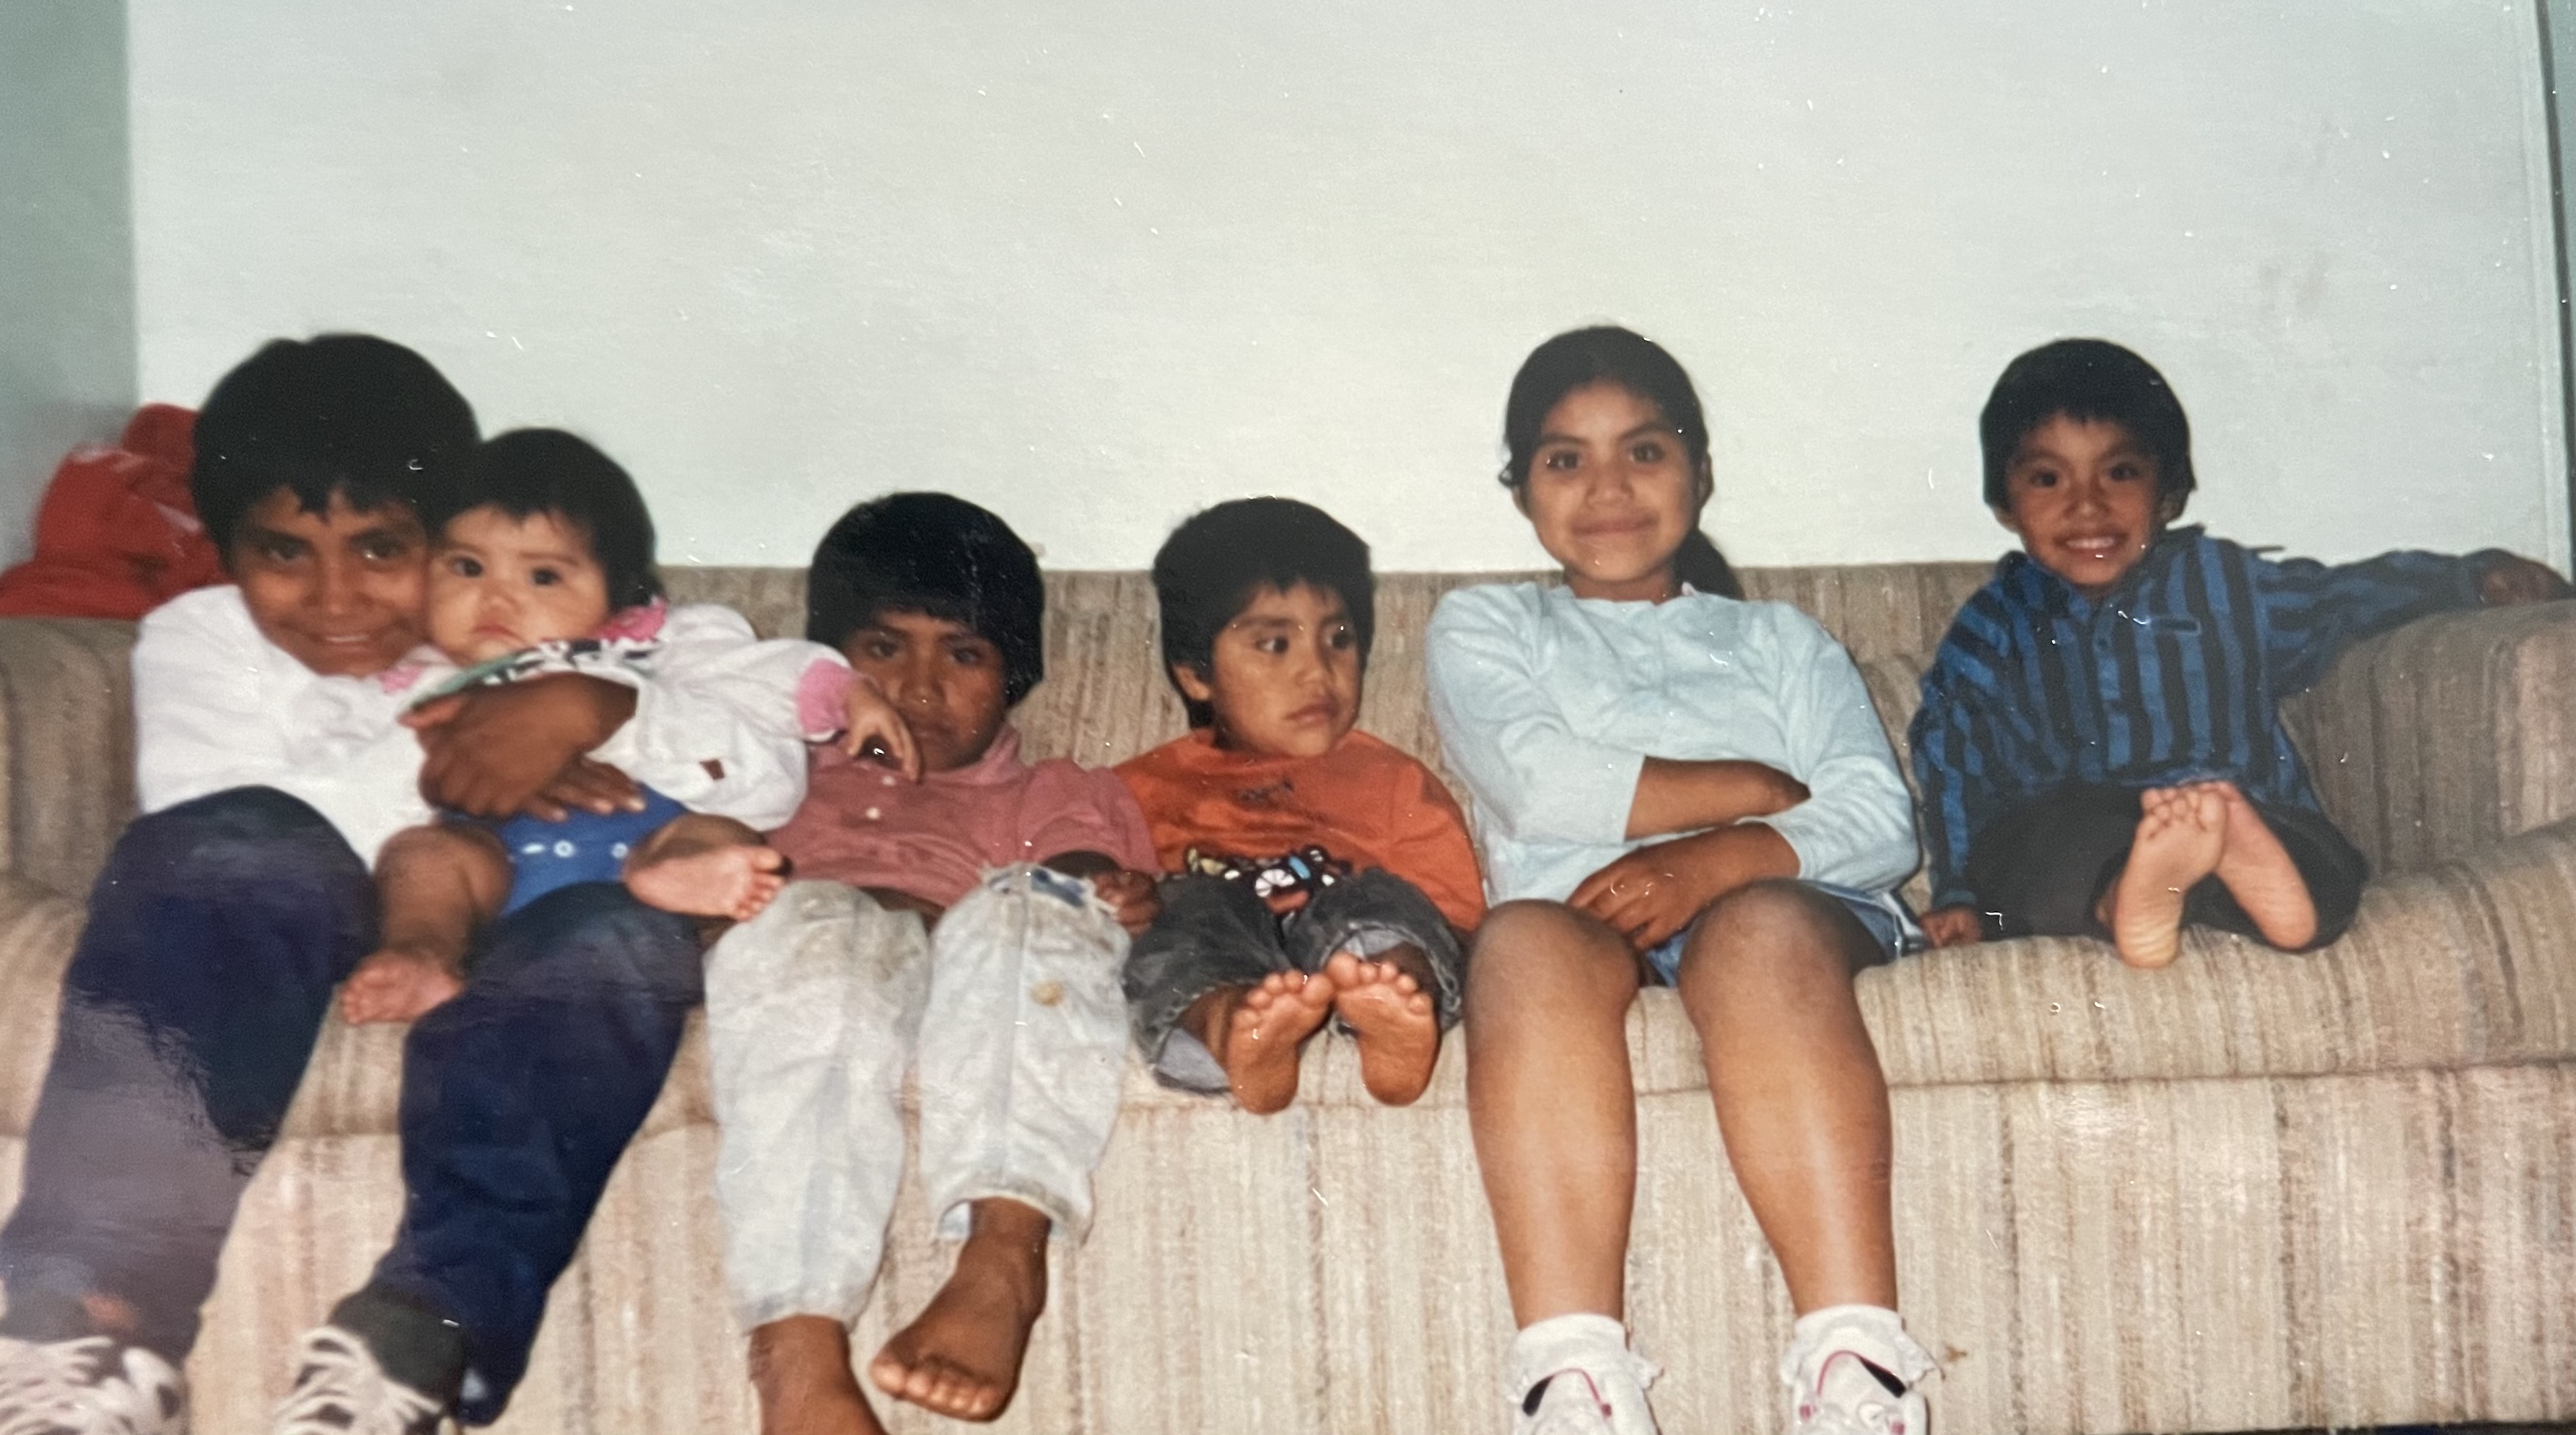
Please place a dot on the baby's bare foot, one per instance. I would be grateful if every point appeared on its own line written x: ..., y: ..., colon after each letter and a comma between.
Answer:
x: 734, y: 882
x: 2180, y: 836
x: 396, y: 984
x: 961, y: 1356
x: 800, y: 1368
x: 1257, y: 1040
x: 2260, y: 875
x: 1391, y: 1017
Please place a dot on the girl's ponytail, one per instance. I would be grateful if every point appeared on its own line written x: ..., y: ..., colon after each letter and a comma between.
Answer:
x: 1699, y: 564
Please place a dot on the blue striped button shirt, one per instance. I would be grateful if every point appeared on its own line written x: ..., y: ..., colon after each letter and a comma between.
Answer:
x: 2175, y: 674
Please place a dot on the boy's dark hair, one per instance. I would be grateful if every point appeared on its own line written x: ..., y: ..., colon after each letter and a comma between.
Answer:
x: 938, y: 555
x: 1611, y: 354
x: 2089, y: 381
x: 350, y: 414
x: 526, y: 472
x: 1212, y: 565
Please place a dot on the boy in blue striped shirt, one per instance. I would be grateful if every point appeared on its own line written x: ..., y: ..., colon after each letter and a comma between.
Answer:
x: 2099, y: 746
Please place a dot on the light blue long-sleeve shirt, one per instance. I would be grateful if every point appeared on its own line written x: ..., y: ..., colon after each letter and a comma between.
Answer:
x: 1548, y: 706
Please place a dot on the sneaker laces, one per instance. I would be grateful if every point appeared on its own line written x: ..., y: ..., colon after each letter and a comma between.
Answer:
x: 341, y: 1390
x: 90, y: 1386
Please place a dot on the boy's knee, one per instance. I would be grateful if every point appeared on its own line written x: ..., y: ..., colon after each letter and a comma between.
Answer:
x: 247, y: 841
x: 596, y: 936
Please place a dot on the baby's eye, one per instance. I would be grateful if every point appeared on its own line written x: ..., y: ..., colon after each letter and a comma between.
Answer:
x: 544, y: 577
x: 464, y: 567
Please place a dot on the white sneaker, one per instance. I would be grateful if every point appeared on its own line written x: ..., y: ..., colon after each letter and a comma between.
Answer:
x: 1575, y: 1375
x: 1852, y: 1370
x: 91, y: 1386
x: 341, y: 1390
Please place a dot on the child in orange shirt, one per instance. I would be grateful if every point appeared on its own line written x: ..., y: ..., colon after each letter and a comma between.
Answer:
x: 1317, y: 872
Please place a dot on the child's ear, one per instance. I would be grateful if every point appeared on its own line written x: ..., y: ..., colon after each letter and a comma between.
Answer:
x: 1193, y: 683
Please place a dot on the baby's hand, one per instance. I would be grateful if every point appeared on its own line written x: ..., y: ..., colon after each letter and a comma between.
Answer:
x: 1131, y: 896
x: 2509, y: 581
x: 1954, y: 926
x: 873, y: 722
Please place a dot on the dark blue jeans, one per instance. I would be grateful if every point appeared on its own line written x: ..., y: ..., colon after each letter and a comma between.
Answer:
x: 215, y: 937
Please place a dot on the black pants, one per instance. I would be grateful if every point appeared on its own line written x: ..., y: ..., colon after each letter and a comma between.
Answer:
x: 2040, y: 870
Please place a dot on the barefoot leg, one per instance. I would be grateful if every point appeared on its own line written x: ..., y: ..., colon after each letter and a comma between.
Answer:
x: 961, y: 1356
x: 1255, y: 1032
x: 704, y: 866
x: 1385, y: 1001
x: 800, y: 1369
x: 2259, y: 874
x: 2180, y: 835
x: 436, y: 886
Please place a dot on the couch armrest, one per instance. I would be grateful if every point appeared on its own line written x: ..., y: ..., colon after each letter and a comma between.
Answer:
x: 2447, y: 734
x: 67, y: 734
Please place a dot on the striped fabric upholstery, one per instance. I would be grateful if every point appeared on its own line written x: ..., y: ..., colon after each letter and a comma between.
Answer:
x: 2250, y: 1192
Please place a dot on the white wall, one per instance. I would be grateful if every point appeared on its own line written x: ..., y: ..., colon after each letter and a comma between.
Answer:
x: 66, y: 249
x: 1100, y: 264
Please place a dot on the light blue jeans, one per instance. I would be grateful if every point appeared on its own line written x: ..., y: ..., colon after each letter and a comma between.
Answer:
x: 1010, y: 1012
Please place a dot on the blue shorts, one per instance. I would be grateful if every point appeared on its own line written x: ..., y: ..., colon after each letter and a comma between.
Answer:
x: 1885, y: 918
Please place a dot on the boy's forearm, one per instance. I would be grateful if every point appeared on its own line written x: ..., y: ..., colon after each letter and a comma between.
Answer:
x: 1674, y: 795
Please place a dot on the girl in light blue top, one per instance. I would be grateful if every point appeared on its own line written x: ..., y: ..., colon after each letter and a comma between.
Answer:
x: 1671, y: 785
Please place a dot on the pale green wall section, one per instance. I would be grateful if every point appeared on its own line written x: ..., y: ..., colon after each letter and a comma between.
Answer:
x: 67, y: 347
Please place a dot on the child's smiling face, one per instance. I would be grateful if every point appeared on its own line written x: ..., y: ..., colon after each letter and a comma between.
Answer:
x: 1612, y: 492
x: 338, y: 590
x: 499, y: 584
x: 2085, y: 499
x: 948, y: 681
x: 1283, y: 678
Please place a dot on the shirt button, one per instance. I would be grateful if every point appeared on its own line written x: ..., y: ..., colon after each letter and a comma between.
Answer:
x: 886, y: 781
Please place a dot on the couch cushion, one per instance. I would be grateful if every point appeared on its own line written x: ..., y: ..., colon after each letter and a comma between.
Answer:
x: 2458, y: 966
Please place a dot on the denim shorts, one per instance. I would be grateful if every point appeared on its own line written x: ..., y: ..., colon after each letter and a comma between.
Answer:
x: 1883, y: 917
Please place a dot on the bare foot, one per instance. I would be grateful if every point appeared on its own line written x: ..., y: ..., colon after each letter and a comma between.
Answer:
x: 2180, y: 836
x: 734, y: 882
x: 1257, y: 1033
x: 800, y: 1368
x: 1391, y: 1016
x: 2261, y: 877
x: 961, y: 1356
x: 396, y: 984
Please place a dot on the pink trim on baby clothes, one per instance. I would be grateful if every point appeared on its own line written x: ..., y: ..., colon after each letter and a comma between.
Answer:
x: 823, y: 699
x: 641, y: 623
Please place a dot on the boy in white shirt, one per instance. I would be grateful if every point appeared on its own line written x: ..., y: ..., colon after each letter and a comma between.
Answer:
x: 229, y: 911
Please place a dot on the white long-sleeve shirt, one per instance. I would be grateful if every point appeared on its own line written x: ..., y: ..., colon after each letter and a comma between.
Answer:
x: 218, y: 706
x: 1548, y: 706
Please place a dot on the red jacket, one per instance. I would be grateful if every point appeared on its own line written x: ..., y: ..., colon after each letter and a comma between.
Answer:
x: 117, y: 534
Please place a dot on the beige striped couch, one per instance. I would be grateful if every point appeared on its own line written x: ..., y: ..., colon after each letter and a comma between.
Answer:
x: 2252, y: 1192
